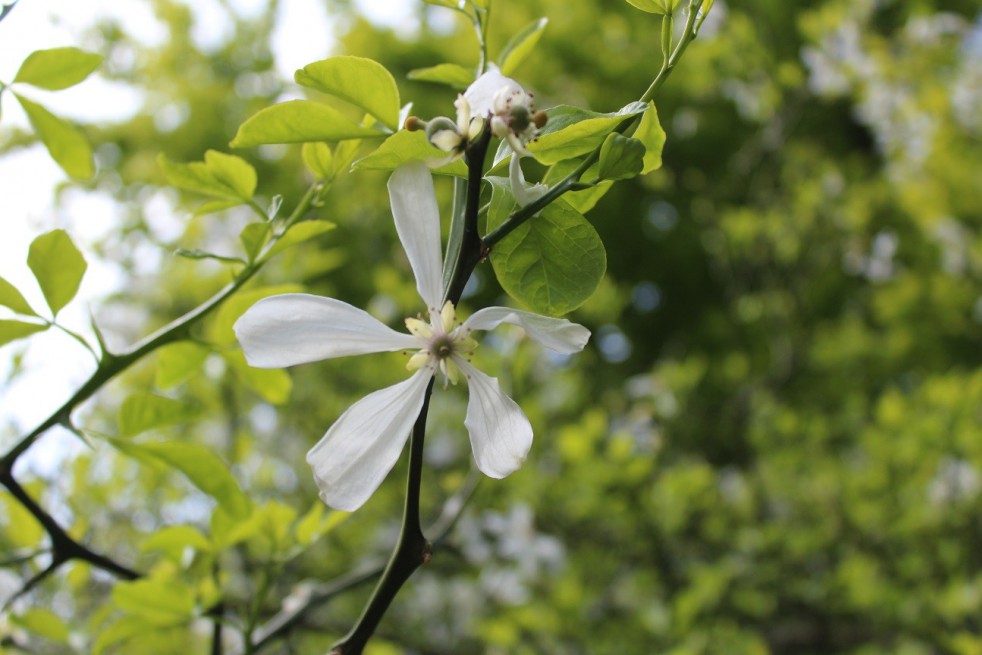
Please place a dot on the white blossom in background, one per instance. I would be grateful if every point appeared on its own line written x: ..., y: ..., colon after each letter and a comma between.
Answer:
x: 362, y: 446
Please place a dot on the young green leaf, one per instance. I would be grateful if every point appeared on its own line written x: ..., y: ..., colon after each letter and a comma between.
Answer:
x: 58, y: 267
x: 174, y: 539
x: 452, y: 75
x: 621, y: 157
x: 298, y: 233
x: 651, y: 134
x: 44, y: 623
x: 19, y: 528
x: 584, y: 199
x: 403, y: 147
x: 551, y: 263
x: 319, y: 160
x: 298, y: 121
x: 160, y: 601
x: 178, y: 362
x: 363, y: 82
x: 655, y: 6
x: 11, y: 298
x: 272, y: 384
x: 13, y: 330
x: 572, y: 131
x: 520, y: 46
x: 65, y: 143
x: 57, y: 68
x: 143, y: 411
x: 220, y: 175
x: 203, y: 468
x: 253, y: 237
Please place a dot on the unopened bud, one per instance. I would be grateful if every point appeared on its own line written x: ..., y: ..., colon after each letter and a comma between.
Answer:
x: 414, y: 124
x: 540, y: 118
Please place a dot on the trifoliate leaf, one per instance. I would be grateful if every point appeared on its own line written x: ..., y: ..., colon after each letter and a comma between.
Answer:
x: 11, y: 298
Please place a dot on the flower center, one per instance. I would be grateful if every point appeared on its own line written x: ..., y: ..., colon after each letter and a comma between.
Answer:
x: 442, y: 342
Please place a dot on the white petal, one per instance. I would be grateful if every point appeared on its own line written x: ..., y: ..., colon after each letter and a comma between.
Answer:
x: 418, y: 224
x: 363, y: 445
x: 554, y: 333
x: 500, y: 433
x: 296, y: 328
x: 481, y: 92
x: 523, y: 192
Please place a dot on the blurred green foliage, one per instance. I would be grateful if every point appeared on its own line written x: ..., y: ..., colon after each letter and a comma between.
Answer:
x: 772, y: 445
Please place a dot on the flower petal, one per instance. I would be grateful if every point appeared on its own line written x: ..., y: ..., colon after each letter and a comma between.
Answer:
x: 554, y: 333
x: 418, y: 224
x: 363, y: 445
x: 296, y: 328
x: 481, y: 92
x: 500, y: 433
x: 523, y: 192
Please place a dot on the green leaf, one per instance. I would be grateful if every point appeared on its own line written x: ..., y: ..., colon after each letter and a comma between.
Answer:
x: 178, y: 362
x: 161, y: 602
x: 174, y: 539
x: 320, y: 161
x: 553, y: 262
x: 655, y: 6
x: 13, y: 330
x: 363, y: 82
x: 57, y: 68
x: 216, y: 206
x: 403, y: 147
x: 298, y: 121
x: 572, y: 131
x: 314, y: 524
x: 452, y: 75
x: 272, y: 384
x: 220, y: 175
x: 43, y: 622
x: 298, y: 233
x: 65, y: 143
x: 651, y: 134
x: 127, y: 628
x: 203, y: 468
x: 584, y: 199
x: 253, y: 237
x: 58, y: 267
x: 452, y: 4
x: 144, y: 411
x: 20, y: 528
x: 11, y: 298
x: 220, y: 329
x: 520, y: 46
x: 621, y: 157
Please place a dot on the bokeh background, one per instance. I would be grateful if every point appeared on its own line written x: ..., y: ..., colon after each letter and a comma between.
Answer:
x: 773, y: 442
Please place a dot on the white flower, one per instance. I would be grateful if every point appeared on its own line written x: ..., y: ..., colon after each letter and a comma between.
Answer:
x: 524, y: 192
x: 364, y: 443
x: 509, y: 108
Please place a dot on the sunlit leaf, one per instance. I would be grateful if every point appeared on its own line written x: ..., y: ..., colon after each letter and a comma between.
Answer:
x: 11, y: 298
x: 58, y: 267
x: 298, y: 233
x: 520, y: 46
x: 11, y: 330
x: 44, y: 623
x: 19, y: 527
x: 178, y: 362
x: 140, y: 412
x: 651, y: 134
x: 203, y: 468
x: 219, y: 175
x: 65, y: 143
x: 174, y: 539
x: 253, y: 237
x: 572, y: 131
x: 319, y: 159
x: 272, y: 384
x: 363, y: 82
x: 452, y: 75
x: 57, y: 68
x: 404, y: 147
x: 159, y: 601
x: 298, y: 121
x: 585, y: 199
